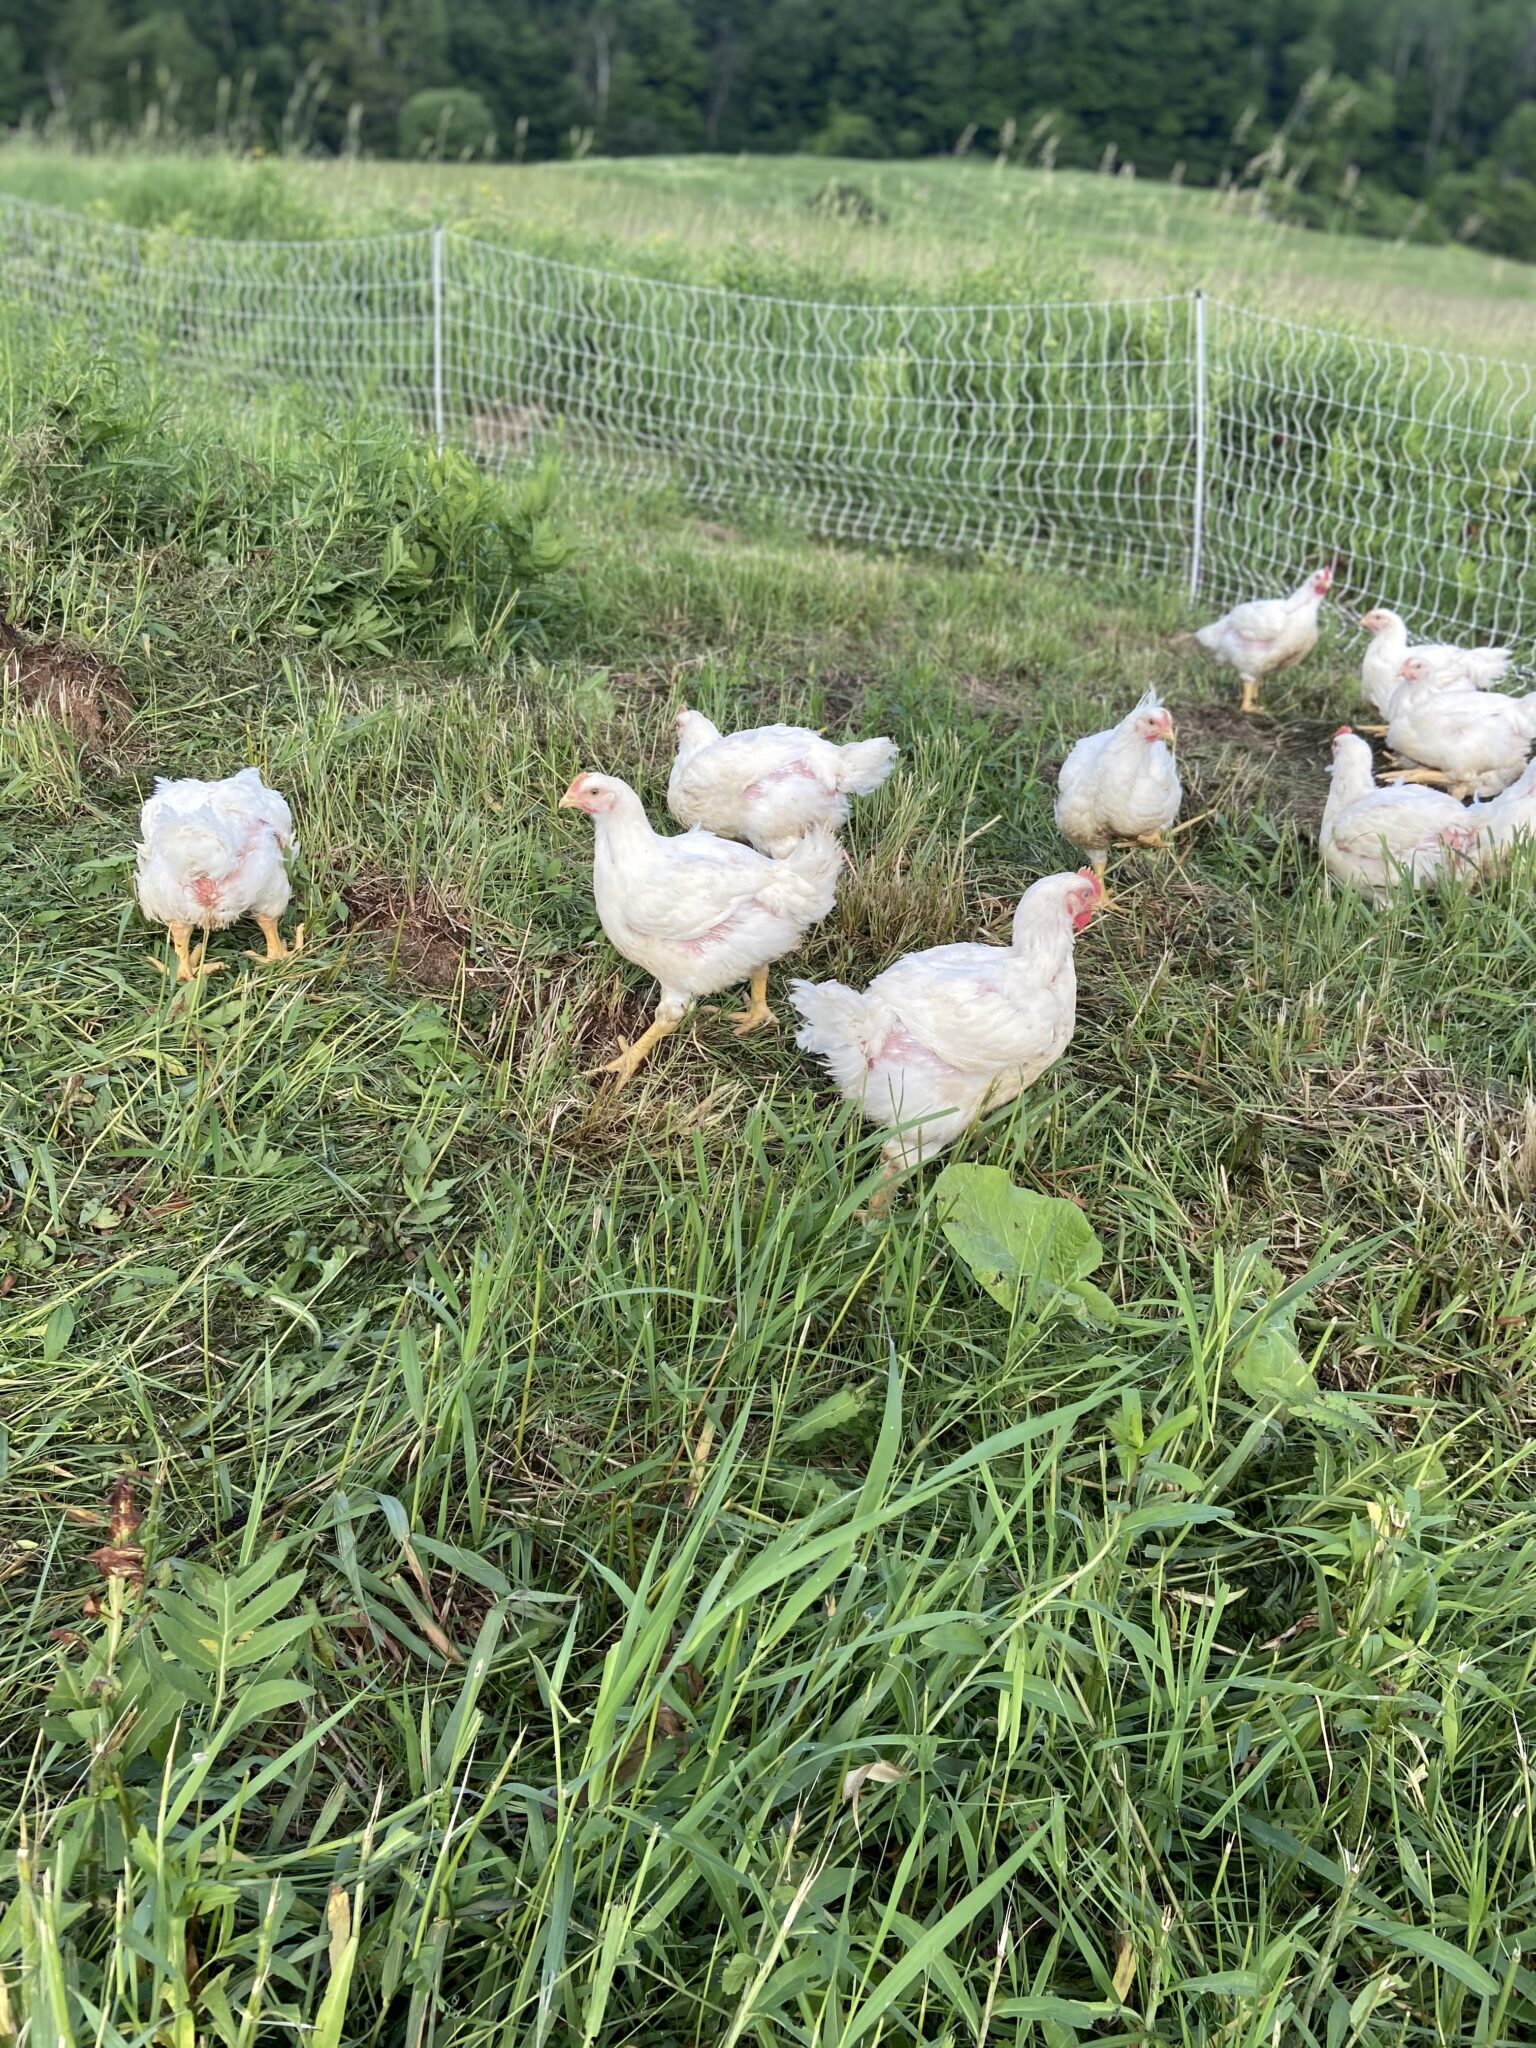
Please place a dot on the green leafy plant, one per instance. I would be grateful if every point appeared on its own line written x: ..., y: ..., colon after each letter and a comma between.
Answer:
x: 358, y: 537
x: 1271, y: 1367
x: 1032, y: 1253
x: 175, y: 1714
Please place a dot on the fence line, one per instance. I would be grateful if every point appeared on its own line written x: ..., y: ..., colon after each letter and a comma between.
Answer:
x: 1170, y: 437
x: 1202, y: 419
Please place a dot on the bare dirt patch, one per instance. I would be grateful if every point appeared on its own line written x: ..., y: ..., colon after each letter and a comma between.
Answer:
x: 1220, y: 747
x: 609, y: 1013
x: 70, y: 684
x: 421, y: 938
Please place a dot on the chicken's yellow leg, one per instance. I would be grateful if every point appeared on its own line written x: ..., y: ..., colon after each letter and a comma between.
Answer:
x: 276, y: 950
x: 1106, y: 901
x: 1431, y: 775
x: 188, y: 968
x: 633, y: 1056
x: 757, y: 1011
x: 1250, y: 695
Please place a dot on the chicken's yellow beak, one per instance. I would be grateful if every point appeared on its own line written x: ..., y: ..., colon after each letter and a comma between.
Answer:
x: 571, y: 800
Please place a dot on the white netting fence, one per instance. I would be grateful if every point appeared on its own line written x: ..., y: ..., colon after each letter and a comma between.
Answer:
x: 1166, y: 437
x: 1416, y: 467
x: 1054, y: 432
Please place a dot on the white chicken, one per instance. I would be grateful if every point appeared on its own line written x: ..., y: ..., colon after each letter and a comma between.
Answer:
x: 1120, y: 784
x: 943, y: 1035
x: 211, y: 853
x: 698, y: 912
x: 1500, y: 823
x: 1269, y: 634
x: 1371, y: 835
x: 1381, y: 664
x: 772, y: 785
x: 1474, y: 741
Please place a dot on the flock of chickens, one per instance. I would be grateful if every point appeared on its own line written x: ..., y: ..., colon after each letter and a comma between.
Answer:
x: 943, y: 1035
x: 1446, y: 724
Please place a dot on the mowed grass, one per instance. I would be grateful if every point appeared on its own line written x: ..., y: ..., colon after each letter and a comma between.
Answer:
x: 597, y: 1587
x: 949, y: 226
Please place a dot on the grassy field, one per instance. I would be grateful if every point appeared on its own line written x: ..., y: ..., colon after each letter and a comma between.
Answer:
x: 1070, y: 232
x: 946, y: 226
x: 487, y: 1559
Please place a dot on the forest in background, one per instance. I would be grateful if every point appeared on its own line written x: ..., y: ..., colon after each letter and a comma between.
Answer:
x: 1411, y: 118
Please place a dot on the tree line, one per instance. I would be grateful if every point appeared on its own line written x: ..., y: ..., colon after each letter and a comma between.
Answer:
x: 1393, y: 117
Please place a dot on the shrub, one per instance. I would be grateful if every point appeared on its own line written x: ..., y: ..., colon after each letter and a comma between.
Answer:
x: 358, y: 537
x: 447, y: 123
x: 848, y: 134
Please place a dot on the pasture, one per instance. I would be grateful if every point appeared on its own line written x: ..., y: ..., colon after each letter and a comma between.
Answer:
x: 485, y: 1558
x: 769, y: 224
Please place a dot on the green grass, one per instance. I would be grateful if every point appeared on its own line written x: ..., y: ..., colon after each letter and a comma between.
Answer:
x: 550, y: 1501
x: 1068, y: 232
x: 950, y: 228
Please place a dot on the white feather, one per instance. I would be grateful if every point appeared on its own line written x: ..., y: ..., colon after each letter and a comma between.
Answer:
x: 772, y: 785
x: 943, y: 1035
x: 212, y: 852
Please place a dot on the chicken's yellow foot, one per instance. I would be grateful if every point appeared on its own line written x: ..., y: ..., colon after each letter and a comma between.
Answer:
x: 276, y: 950
x: 1430, y: 775
x: 1106, y: 900
x: 1250, y: 695
x: 757, y: 1012
x: 632, y: 1057
x: 1158, y: 840
x: 189, y: 965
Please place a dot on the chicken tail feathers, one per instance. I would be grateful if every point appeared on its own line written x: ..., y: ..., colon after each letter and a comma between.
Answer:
x: 200, y: 843
x: 1514, y: 799
x: 863, y: 765
x: 803, y: 885
x: 1498, y: 823
x: 1486, y: 665
x: 835, y: 1024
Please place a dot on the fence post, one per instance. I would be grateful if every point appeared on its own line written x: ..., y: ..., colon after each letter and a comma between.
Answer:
x: 1197, y: 531
x: 437, y: 338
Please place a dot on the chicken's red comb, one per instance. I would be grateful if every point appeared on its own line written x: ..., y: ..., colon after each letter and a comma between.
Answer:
x: 1339, y: 734
x: 1092, y: 875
